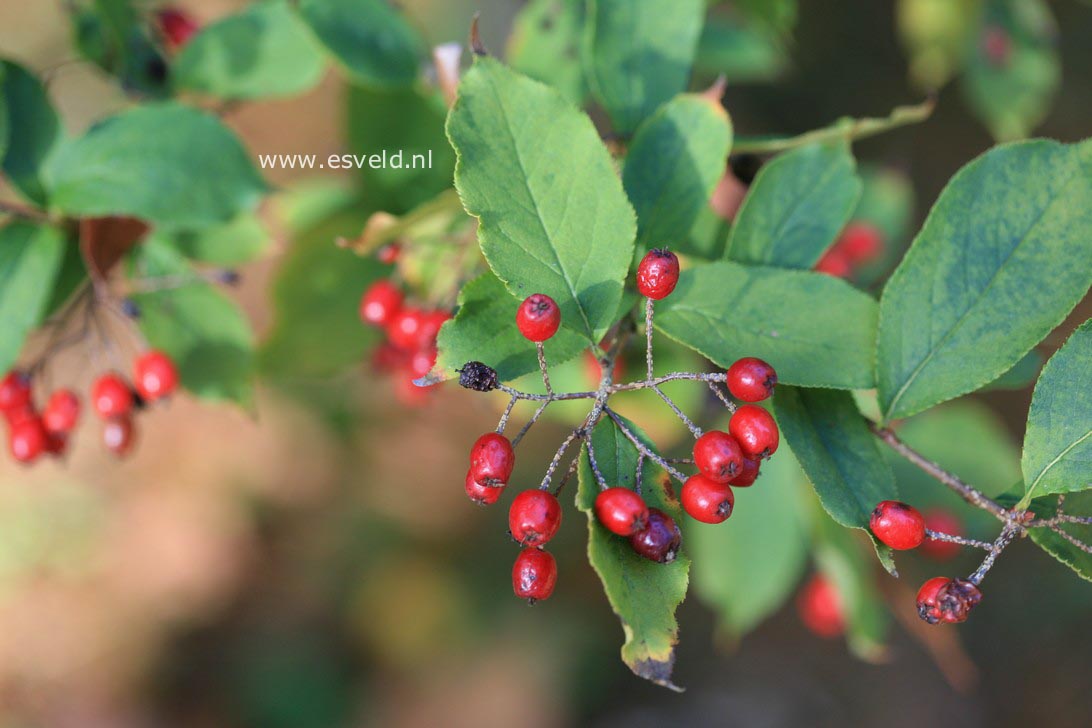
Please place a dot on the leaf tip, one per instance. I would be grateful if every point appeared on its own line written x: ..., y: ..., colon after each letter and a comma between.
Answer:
x: 476, y: 45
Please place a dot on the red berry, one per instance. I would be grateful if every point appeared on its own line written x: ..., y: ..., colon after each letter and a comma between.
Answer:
x: 388, y: 254
x: 659, y: 541
x: 860, y: 242
x: 751, y: 379
x: 820, y: 607
x: 177, y: 27
x: 534, y: 575
x: 941, y: 521
x: 422, y: 361
x: 621, y: 511
x: 481, y: 494
x: 118, y: 435
x: 835, y: 263
x: 718, y: 456
x: 388, y: 358
x: 17, y: 415
x: 947, y: 600
x: 755, y: 430
x: 111, y: 396
x: 534, y: 517
x: 14, y: 391
x: 154, y: 375
x: 747, y: 475
x: 380, y: 303
x: 61, y: 412
x: 658, y: 274
x: 492, y: 459
x: 406, y: 328
x: 28, y: 440
x: 898, y: 525
x: 56, y: 444
x: 538, y: 317
x: 706, y: 500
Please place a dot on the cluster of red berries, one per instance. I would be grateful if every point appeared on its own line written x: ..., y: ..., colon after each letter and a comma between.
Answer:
x: 859, y: 244
x: 410, y: 348
x: 32, y: 433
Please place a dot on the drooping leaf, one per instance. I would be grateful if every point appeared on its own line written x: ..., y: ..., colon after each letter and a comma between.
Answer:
x: 739, y: 51
x: 169, y: 164
x: 796, y: 207
x: 33, y: 130
x: 991, y: 272
x: 643, y: 594
x: 638, y: 54
x: 262, y: 51
x: 545, y: 45
x: 554, y: 218
x: 675, y: 160
x: 233, y: 243
x: 1058, y: 546
x: 1058, y: 441
x: 368, y: 38
x: 30, y: 256
x: 817, y: 331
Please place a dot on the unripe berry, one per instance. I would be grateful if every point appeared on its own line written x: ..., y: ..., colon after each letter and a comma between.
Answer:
x: 538, y: 317
x: 480, y: 493
x: 898, y: 525
x: 534, y: 517
x: 718, y: 456
x: 14, y: 391
x: 118, y: 435
x: 820, y: 607
x: 706, y: 500
x: 62, y: 411
x: 941, y: 521
x: 492, y: 459
x: 28, y: 440
x: 660, y: 540
x: 621, y: 511
x: 751, y: 380
x: 154, y: 375
x: 860, y: 242
x: 747, y: 474
x: 534, y: 575
x: 658, y: 273
x: 111, y: 396
x: 947, y: 600
x: 755, y: 430
x: 380, y: 303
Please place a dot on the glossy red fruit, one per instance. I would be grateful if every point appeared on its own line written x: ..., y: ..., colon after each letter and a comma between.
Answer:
x: 422, y: 361
x: 658, y: 273
x: 430, y: 326
x: 534, y: 517
x: 898, y: 525
x: 755, y: 430
x: 820, y: 607
x: 492, y: 459
x: 835, y: 263
x: 380, y: 303
x: 28, y: 440
x: 538, y: 317
x: 534, y: 575
x: 751, y: 380
x: 111, y: 396
x: 947, y: 600
x: 706, y: 500
x: 18, y: 414
x: 61, y: 412
x: 154, y: 375
x: 118, y: 435
x: 860, y: 242
x: 177, y: 27
x: 941, y: 521
x: 621, y: 511
x: 405, y: 329
x: 660, y: 540
x: 14, y: 391
x: 747, y: 474
x: 480, y: 493
x: 718, y: 456
x: 927, y: 598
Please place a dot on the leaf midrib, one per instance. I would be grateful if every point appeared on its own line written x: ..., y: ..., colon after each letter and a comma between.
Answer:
x: 1046, y: 469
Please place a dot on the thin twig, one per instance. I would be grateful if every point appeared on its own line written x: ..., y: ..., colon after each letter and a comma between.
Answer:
x: 542, y: 366
x: 694, y: 429
x: 638, y: 476
x: 628, y: 434
x: 25, y: 213
x: 722, y: 397
x: 1008, y: 533
x: 507, y: 413
x: 952, y: 538
x: 557, y: 459
x: 568, y: 475
x: 648, y: 337
x: 530, y: 423
x: 594, y: 463
x: 1072, y: 539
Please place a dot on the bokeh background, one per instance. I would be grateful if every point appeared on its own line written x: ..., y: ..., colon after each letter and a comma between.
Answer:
x: 315, y: 564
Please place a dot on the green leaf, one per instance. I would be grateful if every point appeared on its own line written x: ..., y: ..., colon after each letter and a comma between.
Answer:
x: 234, y: 243
x: 817, y: 331
x: 675, y: 160
x: 638, y: 54
x: 1022, y: 374
x: 484, y: 330
x: 746, y: 568
x: 739, y: 51
x: 990, y: 274
x: 554, y: 218
x: 1064, y: 550
x: 545, y: 45
x: 642, y: 593
x: 33, y: 130
x: 4, y: 120
x: 887, y: 203
x: 206, y: 334
x: 796, y: 207
x: 263, y: 51
x: 30, y: 256
x: 1058, y: 441
x: 368, y: 38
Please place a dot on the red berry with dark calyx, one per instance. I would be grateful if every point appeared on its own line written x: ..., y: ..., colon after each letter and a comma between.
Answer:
x: 177, y: 27
x: 755, y: 430
x: 118, y: 435
x: 61, y: 412
x: 947, y: 600
x: 718, y: 456
x: 658, y: 274
x: 820, y: 607
x: 751, y: 379
x: 538, y: 317
x: 621, y: 511
x: 380, y: 303
x: 941, y: 521
x: 111, y: 396
x: 480, y: 493
x: 659, y: 540
x: 28, y: 440
x: 492, y: 459
x: 154, y: 376
x: 898, y: 525
x: 14, y: 391
x: 534, y: 517
x: 748, y: 474
x: 534, y: 575
x: 706, y: 500
x: 860, y: 242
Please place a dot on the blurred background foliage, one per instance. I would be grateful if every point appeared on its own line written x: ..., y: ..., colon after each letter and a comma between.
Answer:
x: 318, y: 565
